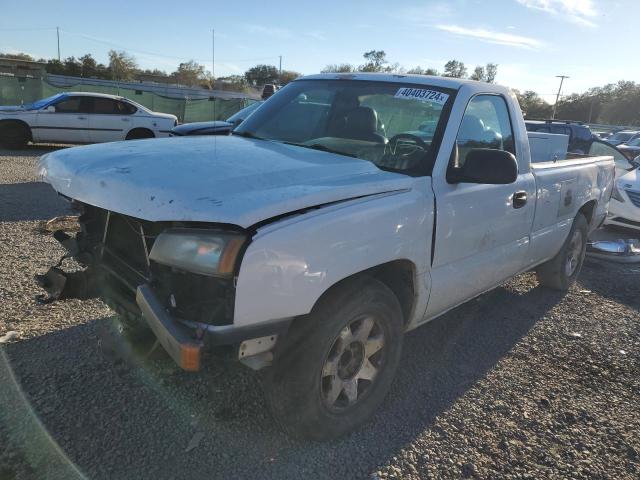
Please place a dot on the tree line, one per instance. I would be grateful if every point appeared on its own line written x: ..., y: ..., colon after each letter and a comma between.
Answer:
x: 376, y: 61
x: 617, y: 104
x: 613, y: 104
x: 124, y: 67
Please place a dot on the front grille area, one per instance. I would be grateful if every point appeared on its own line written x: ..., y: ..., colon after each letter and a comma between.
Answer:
x: 634, y: 197
x: 121, y: 244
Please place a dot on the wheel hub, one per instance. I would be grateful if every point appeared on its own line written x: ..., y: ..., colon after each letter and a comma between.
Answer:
x: 351, y: 360
x: 352, y: 363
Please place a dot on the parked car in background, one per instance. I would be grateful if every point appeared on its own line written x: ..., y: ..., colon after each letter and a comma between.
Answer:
x: 621, y: 137
x: 268, y: 90
x: 624, y: 206
x: 81, y: 117
x: 215, y: 127
x: 580, y: 135
x: 631, y: 148
x: 311, y: 240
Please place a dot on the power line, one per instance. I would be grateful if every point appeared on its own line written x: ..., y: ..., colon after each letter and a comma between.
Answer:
x: 160, y: 55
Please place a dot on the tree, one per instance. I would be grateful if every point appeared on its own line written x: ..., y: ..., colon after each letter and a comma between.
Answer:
x: 55, y: 67
x: 339, y: 68
x: 376, y: 59
x: 189, y: 73
x: 491, y: 72
x: 455, y: 69
x: 261, y: 74
x: 89, y: 67
x: 532, y: 105
x: 288, y: 76
x: 72, y: 67
x: 479, y: 74
x: 17, y: 56
x: 122, y: 65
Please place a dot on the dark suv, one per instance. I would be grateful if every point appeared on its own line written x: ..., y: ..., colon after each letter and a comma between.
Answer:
x: 580, y: 135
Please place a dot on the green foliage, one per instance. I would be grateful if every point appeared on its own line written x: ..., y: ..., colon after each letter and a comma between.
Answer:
x: 17, y: 56
x: 261, y: 74
x: 122, y: 65
x: 376, y: 59
x: 532, y: 105
x: 189, y: 73
x: 288, y: 76
x: 455, y: 69
x: 339, y: 68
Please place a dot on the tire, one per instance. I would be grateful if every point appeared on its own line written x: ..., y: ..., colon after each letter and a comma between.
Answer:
x: 561, y: 271
x: 329, y: 375
x: 139, y: 134
x: 14, y: 135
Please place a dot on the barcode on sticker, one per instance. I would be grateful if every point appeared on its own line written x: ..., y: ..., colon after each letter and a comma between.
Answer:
x: 422, y: 94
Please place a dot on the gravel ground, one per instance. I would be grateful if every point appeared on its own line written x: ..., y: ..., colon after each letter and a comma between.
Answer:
x: 520, y: 383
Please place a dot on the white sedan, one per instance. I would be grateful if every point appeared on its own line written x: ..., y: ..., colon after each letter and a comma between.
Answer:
x: 81, y: 117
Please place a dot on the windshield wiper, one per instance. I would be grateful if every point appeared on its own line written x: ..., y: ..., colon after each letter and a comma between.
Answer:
x: 317, y: 146
x: 246, y: 135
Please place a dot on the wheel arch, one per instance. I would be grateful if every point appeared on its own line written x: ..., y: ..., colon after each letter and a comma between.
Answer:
x: 398, y: 275
x: 588, y: 210
x: 130, y: 134
x: 5, y: 121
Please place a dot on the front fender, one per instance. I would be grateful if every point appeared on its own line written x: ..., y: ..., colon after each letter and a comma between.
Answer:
x: 291, y: 263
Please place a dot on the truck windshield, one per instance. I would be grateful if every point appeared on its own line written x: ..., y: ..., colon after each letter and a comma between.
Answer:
x: 393, y: 125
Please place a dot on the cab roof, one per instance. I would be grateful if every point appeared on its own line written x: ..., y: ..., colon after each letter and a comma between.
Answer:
x: 434, y: 81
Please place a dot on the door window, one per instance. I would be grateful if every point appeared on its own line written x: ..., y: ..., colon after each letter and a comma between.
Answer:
x: 486, y: 124
x: 69, y: 105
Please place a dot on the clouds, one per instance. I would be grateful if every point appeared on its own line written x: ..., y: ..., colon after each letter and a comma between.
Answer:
x: 494, y: 37
x: 281, y: 33
x: 275, y: 32
x: 581, y: 12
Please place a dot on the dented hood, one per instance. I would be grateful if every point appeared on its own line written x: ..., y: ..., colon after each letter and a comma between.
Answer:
x: 230, y: 180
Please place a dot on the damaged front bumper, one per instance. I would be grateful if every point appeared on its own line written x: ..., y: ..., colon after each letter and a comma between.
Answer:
x: 173, y: 304
x: 176, y: 336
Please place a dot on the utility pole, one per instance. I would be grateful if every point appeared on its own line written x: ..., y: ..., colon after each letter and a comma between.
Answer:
x: 280, y: 69
x: 213, y: 54
x: 555, y: 105
x: 58, y: 34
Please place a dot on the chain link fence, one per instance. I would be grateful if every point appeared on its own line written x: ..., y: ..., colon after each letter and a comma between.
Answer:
x: 15, y: 90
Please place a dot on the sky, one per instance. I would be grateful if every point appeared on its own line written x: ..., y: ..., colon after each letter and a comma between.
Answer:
x: 532, y: 41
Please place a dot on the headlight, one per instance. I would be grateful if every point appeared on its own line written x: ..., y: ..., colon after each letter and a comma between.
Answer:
x: 617, y: 194
x: 202, y: 251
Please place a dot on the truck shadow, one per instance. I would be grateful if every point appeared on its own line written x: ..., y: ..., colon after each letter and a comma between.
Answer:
x: 30, y: 201
x: 114, y: 412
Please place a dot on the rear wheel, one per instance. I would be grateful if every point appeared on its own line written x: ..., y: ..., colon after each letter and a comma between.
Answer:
x: 336, y: 365
x: 562, y: 270
x: 139, y: 133
x: 14, y: 134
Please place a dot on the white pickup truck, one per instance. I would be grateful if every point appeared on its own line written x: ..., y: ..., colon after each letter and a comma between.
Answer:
x: 346, y: 211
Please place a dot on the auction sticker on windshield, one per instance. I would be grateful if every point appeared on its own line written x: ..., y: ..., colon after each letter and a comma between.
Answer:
x: 422, y: 94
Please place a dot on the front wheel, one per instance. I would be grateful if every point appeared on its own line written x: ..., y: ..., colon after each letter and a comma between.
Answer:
x: 336, y: 365
x: 14, y: 135
x: 561, y: 271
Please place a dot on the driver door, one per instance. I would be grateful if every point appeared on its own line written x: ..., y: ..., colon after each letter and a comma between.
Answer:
x: 482, y: 231
x: 66, y: 121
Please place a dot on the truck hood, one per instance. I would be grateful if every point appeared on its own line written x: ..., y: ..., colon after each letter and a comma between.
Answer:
x: 230, y: 180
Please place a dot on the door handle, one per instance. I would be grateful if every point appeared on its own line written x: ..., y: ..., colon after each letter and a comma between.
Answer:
x: 519, y: 199
x: 124, y: 119
x: 82, y: 118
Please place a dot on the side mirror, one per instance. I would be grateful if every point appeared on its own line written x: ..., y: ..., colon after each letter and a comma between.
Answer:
x: 49, y: 109
x: 486, y: 166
